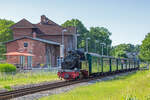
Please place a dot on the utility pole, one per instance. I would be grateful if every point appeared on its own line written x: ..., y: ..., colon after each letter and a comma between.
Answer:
x: 62, y: 44
x: 76, y: 41
x: 102, y: 44
x: 62, y: 47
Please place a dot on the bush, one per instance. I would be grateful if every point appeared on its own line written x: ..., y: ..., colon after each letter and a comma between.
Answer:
x: 8, y: 88
x: 7, y: 68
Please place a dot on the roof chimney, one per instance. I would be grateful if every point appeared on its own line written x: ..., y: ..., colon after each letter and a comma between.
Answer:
x: 34, y: 35
x: 44, y: 19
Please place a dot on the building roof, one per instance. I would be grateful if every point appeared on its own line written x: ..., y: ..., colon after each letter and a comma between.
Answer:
x: 45, y: 27
x: 23, y: 24
x: 37, y: 39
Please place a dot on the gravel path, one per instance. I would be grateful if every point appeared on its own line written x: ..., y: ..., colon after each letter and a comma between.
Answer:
x: 38, y: 95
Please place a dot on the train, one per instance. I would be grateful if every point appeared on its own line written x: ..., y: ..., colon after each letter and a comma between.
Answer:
x: 72, y: 65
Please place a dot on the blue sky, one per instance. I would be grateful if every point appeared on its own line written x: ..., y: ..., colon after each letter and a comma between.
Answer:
x: 128, y: 20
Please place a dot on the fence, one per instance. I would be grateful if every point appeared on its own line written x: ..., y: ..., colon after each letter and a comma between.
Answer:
x: 27, y: 64
x: 35, y: 73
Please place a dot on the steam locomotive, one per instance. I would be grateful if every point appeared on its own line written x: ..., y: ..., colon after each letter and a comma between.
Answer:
x: 71, y: 67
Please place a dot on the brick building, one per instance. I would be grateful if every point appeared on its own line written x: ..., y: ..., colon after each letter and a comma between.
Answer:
x: 44, y: 40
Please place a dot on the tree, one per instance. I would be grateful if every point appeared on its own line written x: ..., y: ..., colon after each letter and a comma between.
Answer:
x: 5, y: 34
x: 122, y: 50
x: 81, y: 30
x: 145, y: 48
x: 99, y: 35
x: 137, y: 48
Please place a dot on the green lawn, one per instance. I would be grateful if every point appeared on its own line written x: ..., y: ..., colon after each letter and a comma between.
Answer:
x: 135, y: 86
x: 8, y: 80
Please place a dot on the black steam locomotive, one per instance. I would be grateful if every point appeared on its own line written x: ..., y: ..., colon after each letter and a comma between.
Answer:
x: 71, y: 66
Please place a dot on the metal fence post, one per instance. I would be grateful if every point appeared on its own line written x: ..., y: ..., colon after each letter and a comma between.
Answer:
x: 117, y: 64
x: 110, y: 66
x: 129, y: 64
x: 121, y: 65
x: 126, y: 63
x: 98, y: 64
x: 138, y: 63
x: 89, y: 57
x: 134, y: 64
x: 102, y: 64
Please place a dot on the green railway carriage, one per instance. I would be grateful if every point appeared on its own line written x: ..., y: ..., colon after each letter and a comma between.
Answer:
x: 96, y: 63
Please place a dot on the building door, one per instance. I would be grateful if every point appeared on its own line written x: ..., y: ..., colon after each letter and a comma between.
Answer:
x: 48, y: 56
x: 22, y: 61
x: 29, y: 62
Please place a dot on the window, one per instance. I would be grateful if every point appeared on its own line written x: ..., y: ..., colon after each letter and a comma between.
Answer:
x: 25, y: 44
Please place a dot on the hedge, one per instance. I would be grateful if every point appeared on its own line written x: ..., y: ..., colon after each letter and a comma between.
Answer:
x: 7, y: 68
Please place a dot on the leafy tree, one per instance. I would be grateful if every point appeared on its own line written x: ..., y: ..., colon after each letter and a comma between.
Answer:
x: 5, y: 31
x: 97, y: 36
x: 5, y: 34
x: 137, y: 48
x: 121, y: 50
x: 145, y: 48
x: 81, y: 30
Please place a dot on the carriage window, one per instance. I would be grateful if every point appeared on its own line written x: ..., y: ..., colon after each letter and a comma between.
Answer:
x: 25, y: 44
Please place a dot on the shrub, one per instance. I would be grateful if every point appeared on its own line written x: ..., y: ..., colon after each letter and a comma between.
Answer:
x: 7, y: 68
x: 8, y: 88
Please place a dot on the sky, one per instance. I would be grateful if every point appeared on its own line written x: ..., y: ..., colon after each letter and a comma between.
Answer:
x: 127, y: 20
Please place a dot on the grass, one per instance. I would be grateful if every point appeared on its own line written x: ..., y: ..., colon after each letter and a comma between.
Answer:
x: 8, y: 80
x: 134, y: 86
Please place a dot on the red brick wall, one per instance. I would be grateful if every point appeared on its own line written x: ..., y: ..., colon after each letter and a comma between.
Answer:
x: 54, y: 53
x: 68, y: 40
x: 12, y: 47
x: 55, y: 38
x: 39, y: 52
x: 35, y: 47
x: 21, y: 32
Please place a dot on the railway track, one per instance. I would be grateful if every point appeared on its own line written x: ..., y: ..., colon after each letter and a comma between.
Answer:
x: 25, y: 91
